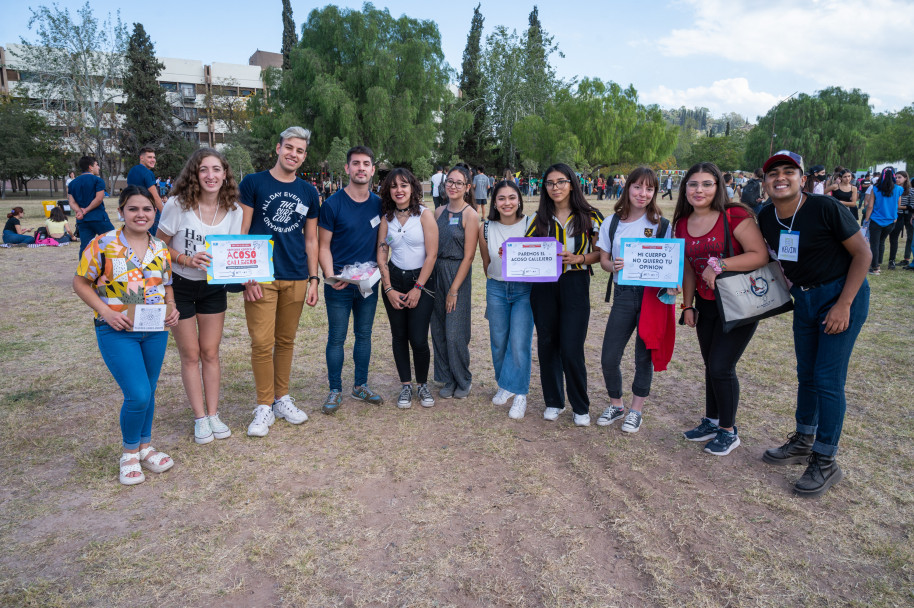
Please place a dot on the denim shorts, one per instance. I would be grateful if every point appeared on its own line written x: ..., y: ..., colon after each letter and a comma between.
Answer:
x: 198, y: 297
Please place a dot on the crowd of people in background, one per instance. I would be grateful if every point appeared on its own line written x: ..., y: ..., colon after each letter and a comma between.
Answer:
x: 728, y: 222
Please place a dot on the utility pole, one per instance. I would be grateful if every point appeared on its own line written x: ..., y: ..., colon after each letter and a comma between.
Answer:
x: 774, y: 119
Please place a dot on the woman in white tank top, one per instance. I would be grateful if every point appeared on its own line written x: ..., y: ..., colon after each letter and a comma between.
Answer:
x: 507, y: 302
x: 407, y: 250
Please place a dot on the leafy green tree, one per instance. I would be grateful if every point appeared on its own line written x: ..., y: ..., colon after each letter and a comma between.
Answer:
x: 892, y: 137
x: 456, y: 122
x: 73, y: 68
x: 172, y: 156
x: 540, y: 82
x: 239, y: 160
x: 725, y: 151
x: 289, y: 39
x: 366, y: 77
x: 266, y: 122
x: 147, y: 113
x: 29, y: 147
x: 829, y: 128
x: 475, y: 141
x: 336, y: 158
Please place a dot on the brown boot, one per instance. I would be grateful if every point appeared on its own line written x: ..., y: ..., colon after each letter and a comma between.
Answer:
x: 795, y: 451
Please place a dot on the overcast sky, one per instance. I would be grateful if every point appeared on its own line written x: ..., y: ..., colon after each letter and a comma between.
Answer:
x: 728, y: 56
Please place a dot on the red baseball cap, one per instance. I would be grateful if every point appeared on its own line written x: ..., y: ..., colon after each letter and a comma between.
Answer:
x: 784, y: 156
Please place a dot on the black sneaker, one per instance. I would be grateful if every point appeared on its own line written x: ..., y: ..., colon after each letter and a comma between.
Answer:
x: 795, y: 451
x: 821, y: 473
x: 703, y: 432
x: 723, y: 443
x: 891, y: 264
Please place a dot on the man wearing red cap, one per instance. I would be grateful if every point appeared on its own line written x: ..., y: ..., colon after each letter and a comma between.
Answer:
x: 823, y: 253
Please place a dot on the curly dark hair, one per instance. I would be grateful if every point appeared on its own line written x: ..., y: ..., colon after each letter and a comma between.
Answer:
x: 187, y: 187
x: 388, y: 206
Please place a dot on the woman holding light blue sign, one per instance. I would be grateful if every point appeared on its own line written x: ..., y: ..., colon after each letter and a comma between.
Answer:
x: 203, y: 203
x: 637, y: 215
x: 707, y: 219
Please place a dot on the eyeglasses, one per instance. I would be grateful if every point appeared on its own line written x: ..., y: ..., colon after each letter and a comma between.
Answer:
x: 561, y: 183
x: 452, y: 184
x: 702, y: 185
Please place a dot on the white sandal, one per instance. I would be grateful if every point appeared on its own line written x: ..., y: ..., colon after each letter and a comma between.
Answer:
x: 154, y: 462
x: 126, y: 469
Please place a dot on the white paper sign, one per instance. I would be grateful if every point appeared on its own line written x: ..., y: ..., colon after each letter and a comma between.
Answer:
x: 149, y: 317
x: 237, y: 259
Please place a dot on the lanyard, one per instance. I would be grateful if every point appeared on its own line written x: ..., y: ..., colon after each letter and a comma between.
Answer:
x: 790, y: 228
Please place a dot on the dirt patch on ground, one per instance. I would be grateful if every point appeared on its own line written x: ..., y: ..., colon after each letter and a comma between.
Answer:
x: 456, y: 505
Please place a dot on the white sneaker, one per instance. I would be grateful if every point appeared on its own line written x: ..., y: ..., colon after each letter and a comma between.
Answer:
x: 220, y: 429
x: 501, y: 397
x: 552, y: 413
x: 632, y: 423
x: 263, y: 420
x: 202, y: 431
x: 284, y: 407
x: 518, y: 408
x: 582, y: 419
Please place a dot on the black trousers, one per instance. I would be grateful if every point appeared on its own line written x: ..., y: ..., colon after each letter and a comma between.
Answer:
x: 561, y: 314
x: 903, y: 223
x: 721, y: 352
x: 409, y: 326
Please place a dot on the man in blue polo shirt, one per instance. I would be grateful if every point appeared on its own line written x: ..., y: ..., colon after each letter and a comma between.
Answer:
x: 347, y: 234
x: 141, y: 175
x: 86, y: 194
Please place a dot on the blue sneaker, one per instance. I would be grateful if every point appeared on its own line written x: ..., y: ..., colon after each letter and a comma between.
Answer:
x: 364, y: 393
x: 724, y: 443
x: 703, y: 432
x: 332, y: 403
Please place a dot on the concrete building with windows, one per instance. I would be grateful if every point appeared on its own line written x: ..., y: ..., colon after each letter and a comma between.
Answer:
x: 206, y: 98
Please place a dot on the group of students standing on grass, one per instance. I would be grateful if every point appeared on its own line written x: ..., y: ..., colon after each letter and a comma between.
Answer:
x: 425, y: 260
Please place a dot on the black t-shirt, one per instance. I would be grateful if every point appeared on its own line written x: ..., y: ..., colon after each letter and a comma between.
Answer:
x: 11, y: 224
x: 823, y: 224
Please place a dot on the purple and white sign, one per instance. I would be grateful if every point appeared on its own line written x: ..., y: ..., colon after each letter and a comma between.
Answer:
x: 531, y: 260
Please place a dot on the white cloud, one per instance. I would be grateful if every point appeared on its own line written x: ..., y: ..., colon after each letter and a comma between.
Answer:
x: 847, y: 43
x: 728, y: 95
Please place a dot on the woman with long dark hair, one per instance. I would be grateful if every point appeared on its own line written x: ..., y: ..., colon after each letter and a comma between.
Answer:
x: 704, y: 216
x: 407, y: 250
x: 457, y: 234
x: 639, y: 217
x: 203, y: 202
x: 905, y: 213
x: 507, y: 302
x: 13, y: 232
x: 843, y: 189
x: 561, y: 310
x: 881, y: 212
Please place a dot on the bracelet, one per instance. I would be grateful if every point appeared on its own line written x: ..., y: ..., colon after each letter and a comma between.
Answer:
x: 684, y: 307
x: 314, y: 277
x: 419, y: 286
x: 452, y: 295
x: 388, y: 289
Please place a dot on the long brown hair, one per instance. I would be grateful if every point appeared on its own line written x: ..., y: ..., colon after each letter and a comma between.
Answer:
x: 187, y: 187
x: 623, y: 206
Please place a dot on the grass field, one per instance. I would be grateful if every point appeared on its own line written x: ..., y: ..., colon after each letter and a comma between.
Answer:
x: 456, y: 505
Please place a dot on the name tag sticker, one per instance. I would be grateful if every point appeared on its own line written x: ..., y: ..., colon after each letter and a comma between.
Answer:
x: 389, y: 239
x: 455, y: 221
x: 375, y: 221
x: 301, y: 208
x: 789, y: 246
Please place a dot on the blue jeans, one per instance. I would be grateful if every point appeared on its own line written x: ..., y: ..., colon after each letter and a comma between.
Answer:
x: 14, y: 238
x: 822, y: 361
x: 340, y: 303
x: 135, y: 360
x: 88, y: 230
x: 510, y: 333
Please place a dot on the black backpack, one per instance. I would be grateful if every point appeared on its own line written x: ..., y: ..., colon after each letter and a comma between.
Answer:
x: 752, y: 191
x: 613, y: 225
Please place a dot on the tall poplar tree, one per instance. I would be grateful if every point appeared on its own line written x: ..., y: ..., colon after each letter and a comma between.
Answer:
x: 475, y: 145
x: 147, y: 113
x: 289, y: 39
